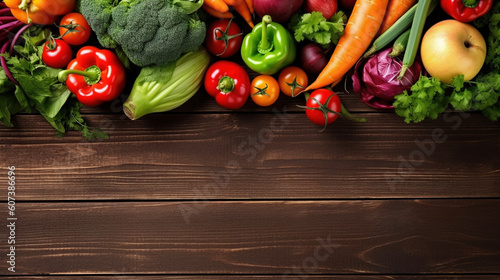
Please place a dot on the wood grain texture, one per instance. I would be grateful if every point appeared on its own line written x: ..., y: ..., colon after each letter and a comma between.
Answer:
x: 259, y: 237
x: 262, y: 156
x: 260, y: 277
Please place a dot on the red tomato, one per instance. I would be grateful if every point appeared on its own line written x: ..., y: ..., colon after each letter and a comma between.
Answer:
x: 74, y: 29
x: 223, y: 38
x: 323, y: 107
x: 56, y: 53
x: 229, y: 83
x: 264, y: 90
x: 292, y: 80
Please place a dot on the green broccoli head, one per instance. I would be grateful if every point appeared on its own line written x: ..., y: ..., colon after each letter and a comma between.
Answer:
x: 150, y: 32
x: 98, y: 15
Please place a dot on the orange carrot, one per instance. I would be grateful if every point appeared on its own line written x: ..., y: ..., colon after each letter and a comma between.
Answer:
x: 363, y: 24
x: 216, y: 13
x: 217, y: 5
x: 232, y: 2
x: 241, y: 7
x: 250, y: 6
x: 395, y: 10
x: 337, y: 81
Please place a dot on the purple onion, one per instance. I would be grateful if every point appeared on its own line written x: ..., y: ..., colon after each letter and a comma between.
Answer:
x: 312, y: 58
x: 375, y: 79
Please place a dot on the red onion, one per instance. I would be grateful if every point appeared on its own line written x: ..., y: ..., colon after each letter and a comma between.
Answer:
x: 279, y: 10
x: 327, y: 7
x: 312, y: 58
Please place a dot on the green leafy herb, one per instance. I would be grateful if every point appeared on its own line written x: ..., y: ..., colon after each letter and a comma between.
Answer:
x: 480, y: 94
x: 461, y: 97
x: 492, y: 112
x: 69, y: 118
x: 39, y: 89
x: 314, y: 27
x: 427, y: 100
x: 492, y: 22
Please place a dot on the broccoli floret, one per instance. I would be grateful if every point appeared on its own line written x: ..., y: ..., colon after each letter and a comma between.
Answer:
x: 98, y: 15
x: 150, y: 32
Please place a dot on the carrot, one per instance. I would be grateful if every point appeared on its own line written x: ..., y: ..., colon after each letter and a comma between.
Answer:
x: 395, y: 9
x: 217, y: 5
x: 232, y: 2
x: 216, y: 13
x: 363, y: 24
x: 337, y: 81
x: 250, y: 6
x: 241, y: 7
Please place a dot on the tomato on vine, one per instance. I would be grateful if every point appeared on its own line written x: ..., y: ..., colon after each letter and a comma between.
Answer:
x: 223, y: 38
x: 323, y: 107
x: 265, y: 90
x: 56, y: 53
x: 292, y: 80
x: 74, y: 29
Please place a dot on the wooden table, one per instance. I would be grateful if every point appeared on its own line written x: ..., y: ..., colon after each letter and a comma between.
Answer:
x: 259, y: 193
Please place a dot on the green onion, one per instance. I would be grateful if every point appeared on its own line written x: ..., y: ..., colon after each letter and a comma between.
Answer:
x: 402, y: 24
x: 416, y: 31
x: 399, y: 45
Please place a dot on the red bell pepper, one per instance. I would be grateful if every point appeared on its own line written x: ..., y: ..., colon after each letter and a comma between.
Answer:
x: 95, y: 76
x: 466, y: 10
x: 229, y: 83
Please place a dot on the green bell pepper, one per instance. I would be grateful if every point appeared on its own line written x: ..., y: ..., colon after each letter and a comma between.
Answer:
x: 268, y: 48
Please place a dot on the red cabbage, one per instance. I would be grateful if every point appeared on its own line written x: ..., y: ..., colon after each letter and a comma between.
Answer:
x: 375, y: 79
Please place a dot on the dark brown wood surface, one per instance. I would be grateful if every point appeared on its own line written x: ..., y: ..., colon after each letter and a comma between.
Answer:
x: 205, y: 193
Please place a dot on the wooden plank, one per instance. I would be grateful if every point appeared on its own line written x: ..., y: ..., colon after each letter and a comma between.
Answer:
x: 226, y: 156
x: 258, y: 237
x: 257, y: 277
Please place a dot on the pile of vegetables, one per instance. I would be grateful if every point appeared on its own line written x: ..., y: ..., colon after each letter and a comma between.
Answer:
x: 50, y: 65
x: 27, y: 84
x: 59, y: 57
x: 430, y: 96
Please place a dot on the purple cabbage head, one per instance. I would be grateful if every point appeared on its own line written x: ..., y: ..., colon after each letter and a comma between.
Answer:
x: 375, y: 79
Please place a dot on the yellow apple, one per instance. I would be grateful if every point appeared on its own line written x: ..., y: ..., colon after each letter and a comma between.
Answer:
x: 450, y: 48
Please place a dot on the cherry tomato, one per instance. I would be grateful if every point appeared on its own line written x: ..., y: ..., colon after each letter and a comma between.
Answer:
x: 74, y: 29
x: 56, y: 53
x: 323, y: 107
x: 229, y: 83
x: 264, y: 90
x: 223, y: 38
x: 292, y: 80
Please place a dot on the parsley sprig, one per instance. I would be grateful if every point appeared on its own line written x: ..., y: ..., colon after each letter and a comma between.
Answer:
x: 314, y: 27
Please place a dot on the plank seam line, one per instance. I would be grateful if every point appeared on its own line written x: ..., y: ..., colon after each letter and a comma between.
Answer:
x: 195, y: 200
x: 247, y: 274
